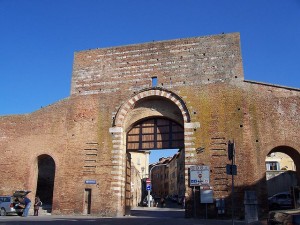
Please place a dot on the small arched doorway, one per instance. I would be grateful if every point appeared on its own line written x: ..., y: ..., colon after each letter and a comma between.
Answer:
x: 45, y: 181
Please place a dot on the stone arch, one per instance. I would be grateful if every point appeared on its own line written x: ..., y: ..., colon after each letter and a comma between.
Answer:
x: 122, y: 123
x: 277, y: 179
x: 291, y: 152
x: 290, y: 148
x: 159, y: 92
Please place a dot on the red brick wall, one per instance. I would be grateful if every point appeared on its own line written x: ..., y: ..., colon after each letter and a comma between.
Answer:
x: 205, y: 72
x: 183, y: 62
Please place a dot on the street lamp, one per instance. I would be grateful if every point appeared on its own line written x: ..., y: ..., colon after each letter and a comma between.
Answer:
x: 164, y: 164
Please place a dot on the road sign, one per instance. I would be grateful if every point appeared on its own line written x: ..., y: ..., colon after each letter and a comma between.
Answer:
x: 148, y: 181
x: 231, y: 169
x: 230, y: 150
x: 199, y: 175
x: 206, y: 196
x: 148, y: 187
x: 90, y: 181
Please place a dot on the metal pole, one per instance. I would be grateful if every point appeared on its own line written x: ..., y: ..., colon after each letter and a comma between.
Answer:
x: 148, y: 198
x: 232, y: 183
x: 194, y: 194
x: 151, y: 186
x: 232, y: 199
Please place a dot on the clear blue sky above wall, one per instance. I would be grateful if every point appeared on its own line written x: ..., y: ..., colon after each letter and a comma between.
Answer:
x: 39, y: 37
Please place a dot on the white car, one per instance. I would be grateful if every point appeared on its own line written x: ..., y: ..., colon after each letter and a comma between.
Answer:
x: 11, y: 205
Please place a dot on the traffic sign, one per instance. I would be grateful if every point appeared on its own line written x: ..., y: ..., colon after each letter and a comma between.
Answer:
x: 148, y: 187
x: 231, y: 169
x: 231, y: 150
x: 148, y: 181
x: 199, y: 175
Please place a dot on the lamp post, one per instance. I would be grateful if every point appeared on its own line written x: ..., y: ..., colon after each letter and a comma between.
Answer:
x: 164, y: 164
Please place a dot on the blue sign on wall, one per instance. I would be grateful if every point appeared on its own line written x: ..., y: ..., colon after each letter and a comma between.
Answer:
x: 90, y: 182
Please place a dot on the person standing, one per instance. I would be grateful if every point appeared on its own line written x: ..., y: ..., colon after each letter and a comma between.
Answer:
x: 37, y: 204
x: 162, y: 202
x: 27, y: 203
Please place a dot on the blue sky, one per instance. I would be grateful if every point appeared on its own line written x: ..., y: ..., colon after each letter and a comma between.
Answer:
x: 39, y: 37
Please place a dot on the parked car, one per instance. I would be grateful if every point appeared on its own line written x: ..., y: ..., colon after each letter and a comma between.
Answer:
x: 286, y: 217
x: 280, y: 200
x: 11, y: 204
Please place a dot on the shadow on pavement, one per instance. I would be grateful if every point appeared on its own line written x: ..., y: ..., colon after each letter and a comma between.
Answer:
x: 157, y: 212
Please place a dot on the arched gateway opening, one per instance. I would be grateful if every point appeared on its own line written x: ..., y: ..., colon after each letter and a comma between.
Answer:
x: 282, y: 175
x: 45, y: 181
x: 150, y: 134
x: 152, y: 119
x: 148, y: 103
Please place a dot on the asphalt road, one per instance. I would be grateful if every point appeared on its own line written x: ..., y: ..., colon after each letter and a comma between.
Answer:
x: 139, y: 216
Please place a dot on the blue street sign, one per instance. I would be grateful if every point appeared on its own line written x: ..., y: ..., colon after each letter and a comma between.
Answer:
x: 90, y: 182
x: 148, y: 187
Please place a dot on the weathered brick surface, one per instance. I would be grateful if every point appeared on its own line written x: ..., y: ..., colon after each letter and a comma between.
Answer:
x: 182, y: 62
x: 200, y: 85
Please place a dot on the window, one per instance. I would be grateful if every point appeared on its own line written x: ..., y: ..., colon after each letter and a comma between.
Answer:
x: 272, y: 166
x: 154, y: 81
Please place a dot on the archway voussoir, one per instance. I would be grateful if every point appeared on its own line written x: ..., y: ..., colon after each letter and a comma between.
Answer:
x: 140, y: 95
x: 131, y: 102
x: 146, y: 93
x: 163, y: 93
x: 178, y: 103
x: 185, y: 118
x: 173, y: 99
x: 121, y: 118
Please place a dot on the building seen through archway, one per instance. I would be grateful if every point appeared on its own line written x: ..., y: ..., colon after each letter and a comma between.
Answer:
x: 152, y: 133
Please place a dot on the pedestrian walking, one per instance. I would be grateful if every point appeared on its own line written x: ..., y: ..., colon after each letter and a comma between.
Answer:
x: 37, y: 204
